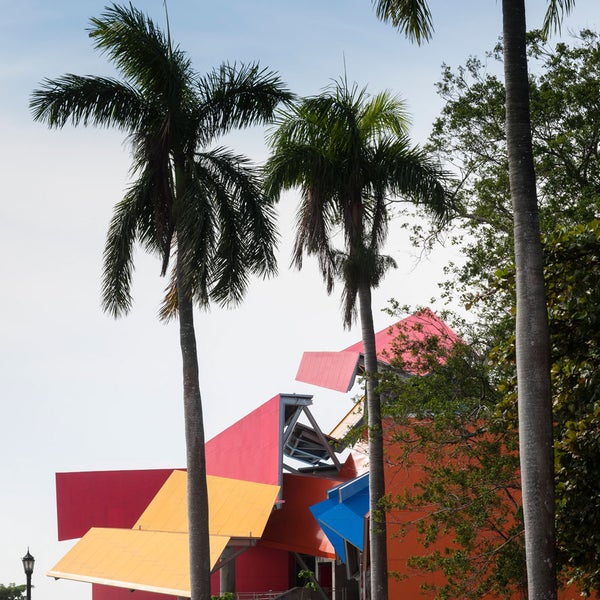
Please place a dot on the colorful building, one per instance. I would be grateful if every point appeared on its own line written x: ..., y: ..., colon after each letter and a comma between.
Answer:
x: 285, y: 499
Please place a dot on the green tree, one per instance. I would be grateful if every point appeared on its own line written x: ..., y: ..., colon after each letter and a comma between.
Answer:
x: 349, y: 154
x: 566, y: 126
x: 457, y: 428
x: 573, y: 284
x: 572, y: 275
x: 12, y: 591
x: 532, y: 333
x: 469, y: 135
x: 197, y: 206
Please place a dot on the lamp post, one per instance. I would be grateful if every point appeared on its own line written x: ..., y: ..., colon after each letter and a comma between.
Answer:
x: 28, y: 562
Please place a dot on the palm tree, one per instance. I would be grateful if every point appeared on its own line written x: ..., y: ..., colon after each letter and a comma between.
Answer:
x: 532, y: 333
x: 198, y: 207
x: 349, y: 153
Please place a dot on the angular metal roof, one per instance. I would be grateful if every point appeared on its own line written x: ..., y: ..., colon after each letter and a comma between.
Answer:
x: 153, y: 555
x: 342, y: 515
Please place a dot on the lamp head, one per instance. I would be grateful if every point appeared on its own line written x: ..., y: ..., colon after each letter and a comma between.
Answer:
x: 28, y: 562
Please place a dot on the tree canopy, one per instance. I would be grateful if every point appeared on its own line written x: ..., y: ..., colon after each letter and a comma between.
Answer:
x: 12, y: 591
x: 566, y: 125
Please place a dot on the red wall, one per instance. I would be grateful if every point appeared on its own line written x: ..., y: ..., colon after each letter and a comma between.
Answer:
x: 259, y: 569
x: 103, y: 499
x: 400, y: 549
x: 105, y: 592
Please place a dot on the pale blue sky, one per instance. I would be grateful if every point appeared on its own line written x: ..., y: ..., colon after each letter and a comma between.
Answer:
x: 79, y: 391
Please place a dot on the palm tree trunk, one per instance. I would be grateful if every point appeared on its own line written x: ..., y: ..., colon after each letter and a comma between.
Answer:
x: 377, y: 522
x: 197, y: 493
x: 532, y: 334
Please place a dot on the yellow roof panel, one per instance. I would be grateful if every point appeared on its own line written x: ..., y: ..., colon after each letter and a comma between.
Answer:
x: 154, y: 561
x: 154, y: 554
x: 236, y: 508
x: 350, y: 419
x: 168, y: 509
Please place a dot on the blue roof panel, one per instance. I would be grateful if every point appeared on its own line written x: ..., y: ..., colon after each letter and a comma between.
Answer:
x: 342, y: 515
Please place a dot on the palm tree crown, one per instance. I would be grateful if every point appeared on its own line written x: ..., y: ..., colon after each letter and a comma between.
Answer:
x: 205, y: 203
x: 413, y: 17
x: 349, y: 153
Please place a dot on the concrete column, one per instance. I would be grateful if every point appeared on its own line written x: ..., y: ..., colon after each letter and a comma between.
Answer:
x: 227, y: 571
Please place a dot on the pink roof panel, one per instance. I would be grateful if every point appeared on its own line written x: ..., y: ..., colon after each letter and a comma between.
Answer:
x: 417, y: 327
x: 337, y: 370
x: 250, y: 448
x: 332, y: 370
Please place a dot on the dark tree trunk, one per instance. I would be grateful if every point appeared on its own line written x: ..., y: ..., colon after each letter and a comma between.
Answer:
x: 532, y: 334
x: 197, y: 493
x: 377, y: 525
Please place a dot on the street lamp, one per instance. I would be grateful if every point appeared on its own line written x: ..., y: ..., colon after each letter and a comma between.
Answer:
x: 28, y: 562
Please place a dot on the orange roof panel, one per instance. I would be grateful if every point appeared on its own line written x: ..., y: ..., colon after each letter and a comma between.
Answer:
x: 236, y: 508
x: 154, y: 555
x: 154, y: 561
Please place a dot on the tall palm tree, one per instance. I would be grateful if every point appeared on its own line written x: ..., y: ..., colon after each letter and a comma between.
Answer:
x: 532, y: 334
x: 349, y: 154
x: 198, y: 207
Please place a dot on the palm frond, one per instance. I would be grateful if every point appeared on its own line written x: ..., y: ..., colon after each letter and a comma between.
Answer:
x: 557, y: 9
x: 168, y: 307
x: 142, y: 52
x: 196, y: 235
x: 349, y: 305
x: 410, y: 17
x: 412, y: 174
x: 98, y: 101
x: 226, y: 228
x: 228, y: 265
x: 384, y: 114
x: 118, y: 256
x: 378, y: 220
x: 313, y: 233
x: 153, y: 164
x: 351, y: 268
x: 238, y: 96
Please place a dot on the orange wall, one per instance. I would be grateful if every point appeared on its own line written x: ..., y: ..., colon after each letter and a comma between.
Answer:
x: 400, y: 549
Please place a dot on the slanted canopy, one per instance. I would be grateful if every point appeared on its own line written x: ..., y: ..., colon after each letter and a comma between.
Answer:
x: 153, y: 555
x: 152, y: 561
x: 332, y: 370
x: 338, y: 370
x: 342, y: 515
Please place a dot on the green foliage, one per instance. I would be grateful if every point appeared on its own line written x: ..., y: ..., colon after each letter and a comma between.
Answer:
x: 12, y: 591
x: 224, y: 596
x: 350, y: 155
x: 308, y: 577
x: 469, y: 135
x: 572, y: 275
x: 573, y: 284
